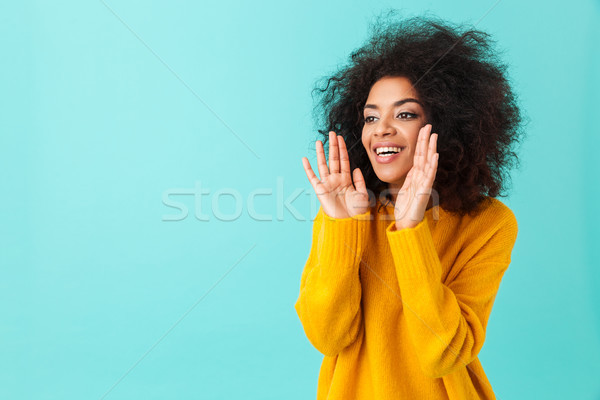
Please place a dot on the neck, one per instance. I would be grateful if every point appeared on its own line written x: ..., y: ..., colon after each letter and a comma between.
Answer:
x: 393, y: 189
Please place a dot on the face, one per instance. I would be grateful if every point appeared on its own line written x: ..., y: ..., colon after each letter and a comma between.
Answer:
x: 393, y: 116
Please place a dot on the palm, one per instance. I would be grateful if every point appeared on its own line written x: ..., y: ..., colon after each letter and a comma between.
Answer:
x: 339, y: 196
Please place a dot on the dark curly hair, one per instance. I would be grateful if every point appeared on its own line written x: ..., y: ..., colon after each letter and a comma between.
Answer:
x: 466, y: 95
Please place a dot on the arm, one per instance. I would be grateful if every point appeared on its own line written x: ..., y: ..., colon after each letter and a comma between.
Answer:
x: 330, y: 291
x: 447, y: 322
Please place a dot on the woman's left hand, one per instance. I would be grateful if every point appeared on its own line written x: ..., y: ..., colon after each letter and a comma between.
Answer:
x: 413, y: 197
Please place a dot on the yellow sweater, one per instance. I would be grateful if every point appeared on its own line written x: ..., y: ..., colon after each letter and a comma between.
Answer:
x: 402, y: 314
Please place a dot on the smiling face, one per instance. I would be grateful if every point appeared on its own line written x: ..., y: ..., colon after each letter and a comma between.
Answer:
x: 393, y: 116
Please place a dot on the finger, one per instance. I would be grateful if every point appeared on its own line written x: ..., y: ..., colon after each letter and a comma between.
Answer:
x: 344, y: 161
x: 334, y: 156
x: 425, y: 139
x: 431, y: 172
x: 428, y: 152
x: 359, y: 181
x: 432, y: 147
x: 417, y: 156
x: 420, y: 155
x: 321, y: 163
x: 312, y: 178
x: 434, y: 168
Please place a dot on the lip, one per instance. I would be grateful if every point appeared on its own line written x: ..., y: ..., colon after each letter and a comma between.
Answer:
x: 388, y: 159
x: 387, y: 144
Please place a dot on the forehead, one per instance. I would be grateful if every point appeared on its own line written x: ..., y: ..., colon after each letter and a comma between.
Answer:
x: 389, y: 89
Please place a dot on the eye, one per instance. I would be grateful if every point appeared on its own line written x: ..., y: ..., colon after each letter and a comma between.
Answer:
x: 367, y: 119
x: 402, y: 115
x: 407, y: 115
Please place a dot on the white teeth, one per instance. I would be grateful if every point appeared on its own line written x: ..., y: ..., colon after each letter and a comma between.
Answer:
x: 380, y: 150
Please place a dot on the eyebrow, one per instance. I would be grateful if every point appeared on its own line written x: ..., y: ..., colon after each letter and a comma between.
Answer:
x: 396, y: 104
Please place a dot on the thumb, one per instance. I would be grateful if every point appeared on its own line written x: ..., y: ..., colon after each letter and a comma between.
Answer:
x: 359, y: 181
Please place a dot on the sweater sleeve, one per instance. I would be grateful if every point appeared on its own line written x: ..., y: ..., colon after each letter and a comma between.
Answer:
x: 447, y: 322
x: 329, y: 304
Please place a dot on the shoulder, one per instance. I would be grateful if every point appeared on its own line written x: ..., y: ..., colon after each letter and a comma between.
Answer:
x: 498, y: 229
x: 497, y: 215
x: 490, y: 214
x: 494, y: 226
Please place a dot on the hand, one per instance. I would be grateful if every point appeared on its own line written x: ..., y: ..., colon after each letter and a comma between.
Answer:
x: 338, y: 196
x: 413, y: 197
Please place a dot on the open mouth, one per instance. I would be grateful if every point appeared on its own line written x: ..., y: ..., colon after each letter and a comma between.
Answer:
x: 388, y: 151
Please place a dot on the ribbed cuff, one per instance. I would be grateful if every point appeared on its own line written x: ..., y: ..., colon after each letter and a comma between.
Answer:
x: 341, y: 241
x: 360, y: 217
x: 414, y: 252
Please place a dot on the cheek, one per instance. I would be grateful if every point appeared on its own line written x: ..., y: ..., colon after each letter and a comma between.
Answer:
x: 365, y: 140
x: 414, y: 136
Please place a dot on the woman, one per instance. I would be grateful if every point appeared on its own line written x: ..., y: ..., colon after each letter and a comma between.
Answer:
x: 409, y: 245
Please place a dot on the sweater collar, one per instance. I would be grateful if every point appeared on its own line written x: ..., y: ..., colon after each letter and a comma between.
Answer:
x: 429, y: 213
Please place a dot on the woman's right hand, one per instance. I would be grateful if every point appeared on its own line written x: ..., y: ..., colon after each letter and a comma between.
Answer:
x: 338, y: 196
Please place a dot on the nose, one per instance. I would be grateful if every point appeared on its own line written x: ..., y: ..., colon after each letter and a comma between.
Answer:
x: 384, y: 128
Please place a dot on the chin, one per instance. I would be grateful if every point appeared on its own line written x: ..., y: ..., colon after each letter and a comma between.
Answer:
x: 388, y: 177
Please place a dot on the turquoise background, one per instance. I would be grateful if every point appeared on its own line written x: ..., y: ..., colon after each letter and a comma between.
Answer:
x: 110, y: 111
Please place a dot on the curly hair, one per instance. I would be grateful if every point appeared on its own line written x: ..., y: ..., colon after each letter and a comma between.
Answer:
x: 466, y: 95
